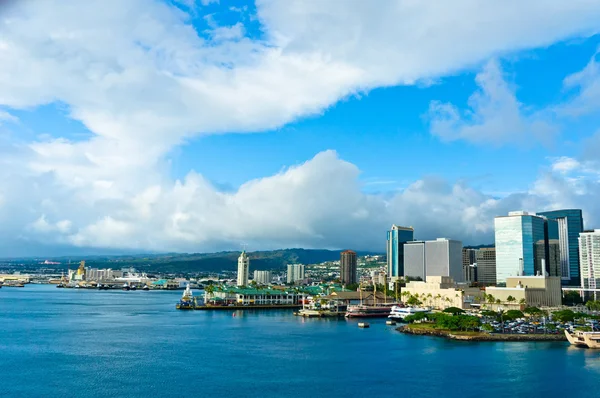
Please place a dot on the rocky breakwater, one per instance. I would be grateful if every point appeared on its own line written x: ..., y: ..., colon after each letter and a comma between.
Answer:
x: 479, y: 336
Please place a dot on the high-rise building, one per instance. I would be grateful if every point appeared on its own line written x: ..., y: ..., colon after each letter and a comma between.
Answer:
x: 414, y: 259
x: 570, y: 225
x: 469, y: 264
x: 263, y: 277
x: 589, y: 259
x: 443, y: 257
x: 486, y: 265
x: 348, y: 267
x: 295, y: 272
x: 243, y: 268
x: 440, y: 257
x: 526, y: 245
x: 396, y: 237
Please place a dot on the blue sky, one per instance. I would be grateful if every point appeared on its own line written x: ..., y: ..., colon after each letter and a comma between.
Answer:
x: 196, y: 125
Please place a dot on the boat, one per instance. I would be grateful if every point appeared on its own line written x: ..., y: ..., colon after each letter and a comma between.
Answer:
x: 60, y: 286
x: 133, y: 287
x: 187, y: 301
x: 126, y: 286
x: 399, y: 312
x: 584, y: 339
x: 368, y: 311
x: 145, y: 288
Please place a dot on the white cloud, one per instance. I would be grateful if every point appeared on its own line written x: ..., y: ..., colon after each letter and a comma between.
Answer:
x: 140, y: 78
x: 495, y: 115
x: 587, y: 84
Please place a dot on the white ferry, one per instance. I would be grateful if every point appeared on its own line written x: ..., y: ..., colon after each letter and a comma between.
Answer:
x: 584, y: 339
x: 398, y: 312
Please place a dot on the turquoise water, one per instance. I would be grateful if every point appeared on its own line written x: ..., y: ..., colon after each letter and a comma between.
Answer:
x: 65, y: 342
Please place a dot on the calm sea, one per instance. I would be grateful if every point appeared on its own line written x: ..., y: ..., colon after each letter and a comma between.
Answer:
x: 65, y: 342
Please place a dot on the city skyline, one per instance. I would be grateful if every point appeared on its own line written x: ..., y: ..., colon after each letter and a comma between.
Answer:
x: 192, y: 126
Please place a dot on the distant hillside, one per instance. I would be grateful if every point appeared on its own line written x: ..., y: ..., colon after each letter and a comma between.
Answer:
x: 480, y: 246
x: 213, y: 262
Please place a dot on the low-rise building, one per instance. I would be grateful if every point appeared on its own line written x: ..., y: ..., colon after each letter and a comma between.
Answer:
x: 442, y: 292
x: 525, y: 291
x: 248, y: 296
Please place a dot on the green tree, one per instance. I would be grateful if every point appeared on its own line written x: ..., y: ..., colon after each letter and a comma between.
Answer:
x: 522, y: 301
x: 572, y: 297
x: 593, y: 305
x: 564, y: 316
x: 511, y: 299
x: 490, y: 299
x: 454, y: 310
x: 511, y: 315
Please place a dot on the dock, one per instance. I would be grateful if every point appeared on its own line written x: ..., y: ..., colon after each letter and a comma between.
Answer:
x: 247, y: 307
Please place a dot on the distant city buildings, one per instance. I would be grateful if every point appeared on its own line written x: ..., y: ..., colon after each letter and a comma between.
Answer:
x: 589, y: 259
x: 243, y: 269
x: 295, y: 273
x: 486, y: 265
x: 396, y: 238
x: 263, y: 277
x: 348, y: 267
x: 440, y: 257
x: 570, y: 225
x: 526, y: 245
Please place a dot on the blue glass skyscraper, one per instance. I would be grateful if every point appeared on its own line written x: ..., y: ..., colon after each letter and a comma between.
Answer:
x: 396, y: 238
x: 570, y: 224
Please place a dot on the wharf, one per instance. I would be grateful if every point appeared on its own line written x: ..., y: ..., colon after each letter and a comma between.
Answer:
x: 247, y: 307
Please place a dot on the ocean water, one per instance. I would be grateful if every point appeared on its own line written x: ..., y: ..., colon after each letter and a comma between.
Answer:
x: 67, y: 343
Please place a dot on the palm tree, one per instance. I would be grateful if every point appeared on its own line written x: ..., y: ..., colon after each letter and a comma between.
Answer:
x: 522, y: 301
x: 511, y: 299
x: 437, y: 299
x: 490, y: 299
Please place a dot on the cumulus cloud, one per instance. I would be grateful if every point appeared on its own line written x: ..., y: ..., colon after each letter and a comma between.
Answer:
x: 587, y: 85
x: 140, y: 78
x: 495, y: 115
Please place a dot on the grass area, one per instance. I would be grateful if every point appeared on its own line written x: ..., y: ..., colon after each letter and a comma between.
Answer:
x: 432, y: 327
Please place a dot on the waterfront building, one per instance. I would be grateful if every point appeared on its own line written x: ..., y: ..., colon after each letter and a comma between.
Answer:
x: 486, y: 265
x: 442, y: 292
x: 526, y: 244
x: 570, y: 225
x: 469, y: 264
x: 243, y: 268
x: 589, y: 259
x: 263, y: 277
x: 396, y: 237
x: 348, y: 267
x: 249, y: 296
x: 295, y: 273
x: 526, y: 291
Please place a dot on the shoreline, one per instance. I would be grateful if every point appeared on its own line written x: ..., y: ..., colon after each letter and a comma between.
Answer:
x: 447, y: 334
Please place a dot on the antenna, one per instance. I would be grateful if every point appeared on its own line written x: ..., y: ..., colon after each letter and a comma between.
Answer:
x: 244, y: 246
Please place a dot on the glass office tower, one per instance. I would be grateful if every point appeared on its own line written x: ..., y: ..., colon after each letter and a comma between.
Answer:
x: 520, y: 245
x: 396, y: 238
x: 570, y: 224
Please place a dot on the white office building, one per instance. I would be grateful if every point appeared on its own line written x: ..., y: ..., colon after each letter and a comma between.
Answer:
x: 243, y: 267
x: 295, y: 272
x: 589, y: 259
x: 263, y: 277
x: 440, y: 257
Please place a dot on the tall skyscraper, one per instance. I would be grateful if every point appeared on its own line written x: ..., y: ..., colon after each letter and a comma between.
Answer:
x: 526, y: 245
x: 396, y: 237
x: 589, y: 259
x: 570, y: 224
x: 243, y: 268
x: 440, y: 257
x: 486, y: 265
x: 469, y: 264
x: 348, y: 267
x: 443, y: 257
x: 263, y: 277
x: 295, y: 272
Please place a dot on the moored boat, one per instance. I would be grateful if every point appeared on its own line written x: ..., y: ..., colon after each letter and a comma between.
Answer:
x: 187, y: 300
x: 584, y: 339
x: 399, y: 313
x: 368, y: 311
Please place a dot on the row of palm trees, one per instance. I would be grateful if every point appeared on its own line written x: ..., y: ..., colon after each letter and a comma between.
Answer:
x: 435, y: 300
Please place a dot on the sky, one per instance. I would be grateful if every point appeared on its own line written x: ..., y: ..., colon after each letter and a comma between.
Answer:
x: 203, y: 125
